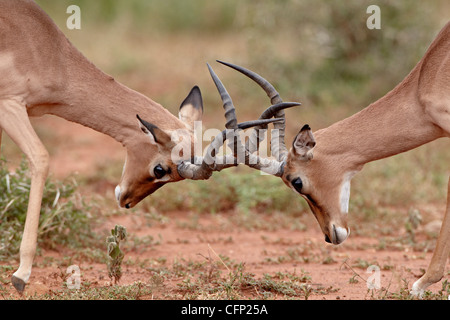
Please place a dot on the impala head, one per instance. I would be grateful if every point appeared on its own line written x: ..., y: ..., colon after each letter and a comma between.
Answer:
x: 158, y: 157
x: 150, y: 161
x: 322, y: 183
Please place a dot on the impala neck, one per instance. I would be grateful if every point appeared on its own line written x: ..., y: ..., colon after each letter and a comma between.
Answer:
x: 53, y: 77
x: 94, y: 99
x: 395, y: 123
x: 111, y: 108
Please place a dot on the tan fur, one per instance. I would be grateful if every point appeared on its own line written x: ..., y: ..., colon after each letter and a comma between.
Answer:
x: 44, y: 73
x: 415, y: 112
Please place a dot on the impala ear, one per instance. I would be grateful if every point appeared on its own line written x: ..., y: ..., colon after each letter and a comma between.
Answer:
x: 156, y: 135
x: 303, y: 144
x: 191, y: 108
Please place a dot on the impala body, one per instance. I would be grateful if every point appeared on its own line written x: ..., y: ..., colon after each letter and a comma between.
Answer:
x: 417, y: 111
x: 43, y: 73
x: 320, y: 166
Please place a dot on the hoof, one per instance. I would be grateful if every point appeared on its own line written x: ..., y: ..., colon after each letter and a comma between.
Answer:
x: 416, y: 290
x: 19, y: 284
x: 417, y: 293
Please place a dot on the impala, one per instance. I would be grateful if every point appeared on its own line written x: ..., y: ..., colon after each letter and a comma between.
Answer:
x: 43, y: 73
x: 320, y: 166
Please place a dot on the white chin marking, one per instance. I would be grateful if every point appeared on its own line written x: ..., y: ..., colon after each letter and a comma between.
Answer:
x: 344, y: 196
x: 341, y: 234
x: 117, y: 193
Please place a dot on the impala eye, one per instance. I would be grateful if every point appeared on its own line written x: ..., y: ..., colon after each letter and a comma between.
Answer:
x: 297, y: 184
x: 159, y: 171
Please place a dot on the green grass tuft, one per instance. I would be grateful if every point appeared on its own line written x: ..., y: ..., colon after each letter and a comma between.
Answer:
x: 64, y: 219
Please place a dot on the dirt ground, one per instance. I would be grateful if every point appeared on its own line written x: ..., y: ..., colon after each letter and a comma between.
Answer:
x: 81, y: 149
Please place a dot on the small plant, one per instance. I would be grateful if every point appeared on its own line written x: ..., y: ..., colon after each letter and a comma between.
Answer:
x: 115, y: 255
x: 413, y: 222
x: 354, y: 278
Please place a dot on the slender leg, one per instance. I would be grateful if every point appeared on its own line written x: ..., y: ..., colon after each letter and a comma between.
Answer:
x: 435, y: 270
x: 15, y: 122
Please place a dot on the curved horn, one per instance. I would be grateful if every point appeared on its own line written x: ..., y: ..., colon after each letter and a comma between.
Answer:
x: 209, y: 162
x: 277, y: 143
x: 263, y: 83
x: 269, y: 166
x: 202, y: 168
x: 252, y: 144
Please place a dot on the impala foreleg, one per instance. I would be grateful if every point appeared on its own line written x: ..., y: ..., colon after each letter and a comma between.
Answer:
x: 435, y: 270
x: 15, y: 122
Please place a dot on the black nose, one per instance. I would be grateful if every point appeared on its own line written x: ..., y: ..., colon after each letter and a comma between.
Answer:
x: 127, y: 206
x: 327, y: 239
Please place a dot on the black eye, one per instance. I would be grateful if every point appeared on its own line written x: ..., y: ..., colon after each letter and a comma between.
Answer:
x: 159, y: 172
x: 297, y: 184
